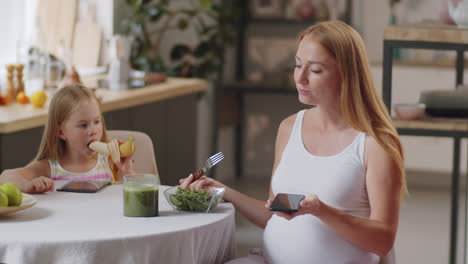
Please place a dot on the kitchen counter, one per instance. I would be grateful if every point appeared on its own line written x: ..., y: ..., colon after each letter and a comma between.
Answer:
x: 16, y: 117
x: 167, y: 112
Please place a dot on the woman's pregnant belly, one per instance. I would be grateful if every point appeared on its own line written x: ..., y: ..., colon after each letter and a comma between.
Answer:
x: 305, y: 239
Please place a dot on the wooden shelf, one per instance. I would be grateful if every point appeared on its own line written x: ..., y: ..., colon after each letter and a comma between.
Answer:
x: 427, y: 31
x: 449, y: 124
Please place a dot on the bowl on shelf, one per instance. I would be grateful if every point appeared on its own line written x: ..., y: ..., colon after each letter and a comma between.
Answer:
x: 195, y: 201
x: 409, y: 111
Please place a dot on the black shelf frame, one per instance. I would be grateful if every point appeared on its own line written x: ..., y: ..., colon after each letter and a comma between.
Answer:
x: 457, y: 136
x: 241, y: 87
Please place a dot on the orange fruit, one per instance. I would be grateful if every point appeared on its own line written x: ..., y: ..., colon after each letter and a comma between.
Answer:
x: 4, y: 100
x: 22, y: 98
x: 38, y: 98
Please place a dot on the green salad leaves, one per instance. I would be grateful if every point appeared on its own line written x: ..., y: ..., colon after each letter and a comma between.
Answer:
x: 187, y: 200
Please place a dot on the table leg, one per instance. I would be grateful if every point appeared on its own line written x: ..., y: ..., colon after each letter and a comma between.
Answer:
x: 466, y: 222
x: 387, y: 75
x: 455, y: 196
x: 460, y: 67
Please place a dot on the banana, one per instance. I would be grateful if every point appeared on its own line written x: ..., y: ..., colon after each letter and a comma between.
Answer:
x: 108, y: 149
x: 127, y: 148
x: 114, y: 152
x: 99, y: 147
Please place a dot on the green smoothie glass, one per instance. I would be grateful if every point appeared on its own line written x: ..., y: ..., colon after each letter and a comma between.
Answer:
x: 140, y: 195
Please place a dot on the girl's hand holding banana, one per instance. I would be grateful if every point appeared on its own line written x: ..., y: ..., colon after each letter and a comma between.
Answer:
x: 120, y: 153
x: 114, y: 149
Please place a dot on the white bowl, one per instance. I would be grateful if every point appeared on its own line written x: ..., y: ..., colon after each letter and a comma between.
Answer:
x: 411, y: 111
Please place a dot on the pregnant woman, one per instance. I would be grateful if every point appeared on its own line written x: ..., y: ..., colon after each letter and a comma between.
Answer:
x: 342, y: 154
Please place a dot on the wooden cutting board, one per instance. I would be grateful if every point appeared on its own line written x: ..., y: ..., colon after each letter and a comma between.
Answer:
x: 56, y: 24
x: 87, y: 42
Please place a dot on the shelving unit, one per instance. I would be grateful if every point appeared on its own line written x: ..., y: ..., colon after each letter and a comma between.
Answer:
x: 242, y: 87
x: 437, y: 37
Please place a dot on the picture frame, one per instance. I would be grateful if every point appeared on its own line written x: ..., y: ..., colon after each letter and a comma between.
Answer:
x: 266, y: 8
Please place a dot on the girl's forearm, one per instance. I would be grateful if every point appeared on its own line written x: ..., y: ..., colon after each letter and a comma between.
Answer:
x: 372, y: 235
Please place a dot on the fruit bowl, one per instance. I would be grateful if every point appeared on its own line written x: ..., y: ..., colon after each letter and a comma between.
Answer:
x: 28, y: 201
x: 194, y: 201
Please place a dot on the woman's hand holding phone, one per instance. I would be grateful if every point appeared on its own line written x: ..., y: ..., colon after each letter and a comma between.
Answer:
x: 292, y: 205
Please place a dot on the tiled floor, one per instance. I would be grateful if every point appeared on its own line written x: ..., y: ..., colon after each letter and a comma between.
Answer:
x: 423, y: 235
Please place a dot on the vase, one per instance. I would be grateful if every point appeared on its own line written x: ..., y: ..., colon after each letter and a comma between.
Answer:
x: 444, y: 13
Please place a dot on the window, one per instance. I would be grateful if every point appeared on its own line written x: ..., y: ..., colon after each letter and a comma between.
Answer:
x: 17, y: 25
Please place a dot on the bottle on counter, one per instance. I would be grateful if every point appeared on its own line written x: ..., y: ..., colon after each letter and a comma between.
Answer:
x: 11, y: 90
x: 19, y: 78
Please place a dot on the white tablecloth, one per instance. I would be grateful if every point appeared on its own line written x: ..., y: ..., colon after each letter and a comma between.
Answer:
x: 90, y: 228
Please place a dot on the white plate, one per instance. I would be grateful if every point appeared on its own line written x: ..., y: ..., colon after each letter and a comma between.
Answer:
x: 28, y: 201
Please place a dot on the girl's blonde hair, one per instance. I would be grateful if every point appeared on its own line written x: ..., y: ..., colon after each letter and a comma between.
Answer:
x: 362, y: 107
x: 64, y: 102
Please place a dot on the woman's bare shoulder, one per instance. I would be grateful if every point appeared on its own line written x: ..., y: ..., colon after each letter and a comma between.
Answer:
x: 288, y: 122
x: 372, y: 145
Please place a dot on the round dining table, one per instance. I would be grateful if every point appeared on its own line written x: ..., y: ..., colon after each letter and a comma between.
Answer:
x: 66, y: 227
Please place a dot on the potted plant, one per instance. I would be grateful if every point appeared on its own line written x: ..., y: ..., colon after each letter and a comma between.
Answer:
x: 215, y: 29
x: 151, y: 20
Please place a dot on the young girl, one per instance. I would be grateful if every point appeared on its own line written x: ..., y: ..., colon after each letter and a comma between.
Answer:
x: 74, y: 121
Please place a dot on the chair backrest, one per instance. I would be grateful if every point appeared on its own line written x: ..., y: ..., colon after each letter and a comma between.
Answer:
x: 145, y: 160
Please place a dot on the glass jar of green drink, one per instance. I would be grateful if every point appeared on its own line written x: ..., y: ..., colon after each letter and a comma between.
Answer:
x: 140, y: 195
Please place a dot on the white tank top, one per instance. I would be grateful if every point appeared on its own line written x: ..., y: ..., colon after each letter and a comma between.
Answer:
x: 339, y: 181
x: 100, y: 172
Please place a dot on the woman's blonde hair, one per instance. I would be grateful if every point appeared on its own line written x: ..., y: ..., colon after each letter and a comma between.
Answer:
x: 362, y: 107
x: 64, y: 102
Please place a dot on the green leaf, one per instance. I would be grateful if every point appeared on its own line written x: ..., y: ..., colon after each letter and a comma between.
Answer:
x: 206, y: 4
x: 179, y: 51
x: 155, y: 12
x: 206, y: 70
x: 202, y: 49
x: 145, y: 2
x: 189, y: 12
x: 142, y: 63
x: 136, y: 28
x: 131, y: 2
x: 182, y: 24
x: 135, y: 4
x: 175, y: 69
x: 158, y: 65
x: 125, y: 23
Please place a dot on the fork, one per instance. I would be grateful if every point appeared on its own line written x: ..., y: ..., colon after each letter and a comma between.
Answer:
x: 210, y: 162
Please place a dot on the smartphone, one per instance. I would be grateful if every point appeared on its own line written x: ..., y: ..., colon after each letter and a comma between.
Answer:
x: 83, y: 186
x: 286, y: 202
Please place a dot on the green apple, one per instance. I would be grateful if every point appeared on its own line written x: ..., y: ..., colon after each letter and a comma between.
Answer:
x: 3, y: 199
x: 15, y: 197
